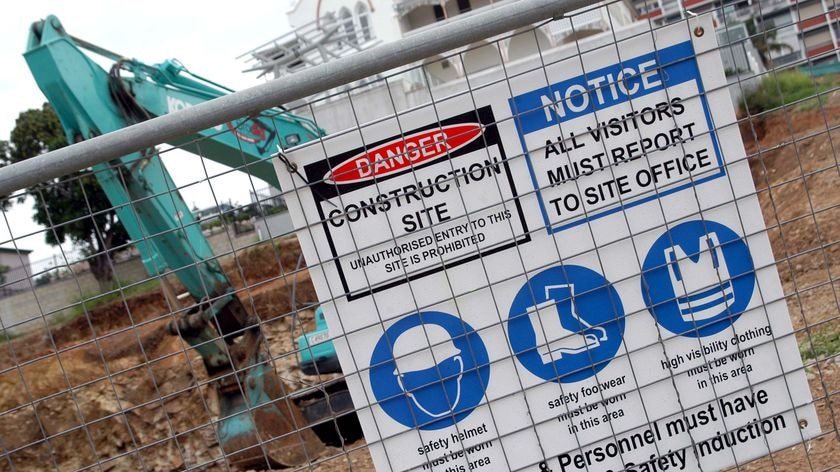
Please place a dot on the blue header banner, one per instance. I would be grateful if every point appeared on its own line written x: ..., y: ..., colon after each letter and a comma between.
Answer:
x: 604, y: 88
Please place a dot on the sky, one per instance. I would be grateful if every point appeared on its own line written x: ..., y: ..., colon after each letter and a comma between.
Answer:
x: 205, y: 36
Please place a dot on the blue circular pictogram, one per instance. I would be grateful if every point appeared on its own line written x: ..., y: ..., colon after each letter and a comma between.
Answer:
x: 429, y: 370
x: 698, y: 278
x: 566, y: 324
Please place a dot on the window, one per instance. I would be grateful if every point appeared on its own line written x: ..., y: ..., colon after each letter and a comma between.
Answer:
x: 439, y: 15
x: 347, y: 25
x: 464, y: 6
x: 365, y: 27
x: 646, y: 7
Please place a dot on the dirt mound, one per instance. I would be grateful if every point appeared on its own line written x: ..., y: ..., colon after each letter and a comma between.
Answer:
x: 123, y: 392
x: 265, y: 262
x: 85, y: 329
x: 117, y: 378
x: 793, y: 158
x: 95, y: 405
x: 794, y: 168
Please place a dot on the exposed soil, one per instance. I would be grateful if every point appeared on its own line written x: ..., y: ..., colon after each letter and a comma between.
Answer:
x: 795, y: 170
x: 123, y: 394
x: 793, y: 156
x: 131, y: 383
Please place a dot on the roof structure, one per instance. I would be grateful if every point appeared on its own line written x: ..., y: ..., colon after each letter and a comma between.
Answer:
x: 11, y: 250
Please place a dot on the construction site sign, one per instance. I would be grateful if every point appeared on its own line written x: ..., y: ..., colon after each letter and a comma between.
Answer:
x: 435, y: 192
x: 566, y: 270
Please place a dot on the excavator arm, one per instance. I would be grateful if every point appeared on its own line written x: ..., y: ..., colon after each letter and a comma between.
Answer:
x: 258, y: 425
x: 169, y: 86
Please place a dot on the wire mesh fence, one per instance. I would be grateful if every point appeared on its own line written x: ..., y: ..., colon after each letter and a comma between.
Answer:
x: 615, y: 244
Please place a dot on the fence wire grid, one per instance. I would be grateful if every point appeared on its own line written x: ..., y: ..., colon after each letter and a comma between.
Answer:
x: 95, y: 376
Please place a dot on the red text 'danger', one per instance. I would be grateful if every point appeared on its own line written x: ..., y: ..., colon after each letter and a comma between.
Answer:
x: 404, y: 153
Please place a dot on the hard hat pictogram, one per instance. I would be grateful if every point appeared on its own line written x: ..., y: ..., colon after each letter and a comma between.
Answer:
x: 422, y: 347
x: 429, y: 370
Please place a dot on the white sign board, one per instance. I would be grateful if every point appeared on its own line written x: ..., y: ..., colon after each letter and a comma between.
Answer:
x: 565, y: 271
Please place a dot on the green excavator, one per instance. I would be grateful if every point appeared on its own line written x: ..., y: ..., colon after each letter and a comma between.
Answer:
x: 261, y: 423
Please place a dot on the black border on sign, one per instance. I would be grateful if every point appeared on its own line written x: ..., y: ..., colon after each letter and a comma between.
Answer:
x: 490, y: 136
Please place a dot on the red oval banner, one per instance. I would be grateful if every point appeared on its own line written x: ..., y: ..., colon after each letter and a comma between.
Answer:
x: 403, y: 153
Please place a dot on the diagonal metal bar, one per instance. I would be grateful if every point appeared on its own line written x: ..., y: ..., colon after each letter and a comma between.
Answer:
x: 458, y: 32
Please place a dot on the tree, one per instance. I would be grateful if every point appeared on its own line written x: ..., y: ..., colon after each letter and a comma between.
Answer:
x: 765, y: 42
x: 43, y: 279
x: 74, y: 207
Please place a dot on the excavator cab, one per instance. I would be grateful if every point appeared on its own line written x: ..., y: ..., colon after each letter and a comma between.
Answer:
x: 317, y: 352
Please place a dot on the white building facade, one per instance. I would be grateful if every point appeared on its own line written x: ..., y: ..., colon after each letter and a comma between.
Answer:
x: 327, y: 29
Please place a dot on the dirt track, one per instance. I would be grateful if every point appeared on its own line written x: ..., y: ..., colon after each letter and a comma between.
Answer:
x: 135, y: 385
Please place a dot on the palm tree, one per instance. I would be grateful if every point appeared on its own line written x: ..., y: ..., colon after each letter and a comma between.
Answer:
x: 765, y: 42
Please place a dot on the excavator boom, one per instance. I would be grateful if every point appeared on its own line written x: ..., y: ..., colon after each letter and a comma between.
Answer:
x: 258, y: 425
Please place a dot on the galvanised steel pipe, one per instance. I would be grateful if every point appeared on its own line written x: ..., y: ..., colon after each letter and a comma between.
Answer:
x: 461, y: 31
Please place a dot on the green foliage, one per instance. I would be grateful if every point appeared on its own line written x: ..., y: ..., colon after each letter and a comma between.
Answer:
x: 36, y: 132
x: 822, y: 343
x: 211, y: 224
x: 66, y: 204
x: 729, y: 72
x: 271, y: 210
x: 43, y: 279
x: 6, y: 335
x: 778, y: 89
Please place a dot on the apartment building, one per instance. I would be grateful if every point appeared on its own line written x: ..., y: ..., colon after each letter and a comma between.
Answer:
x: 807, y: 29
x: 817, y: 24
